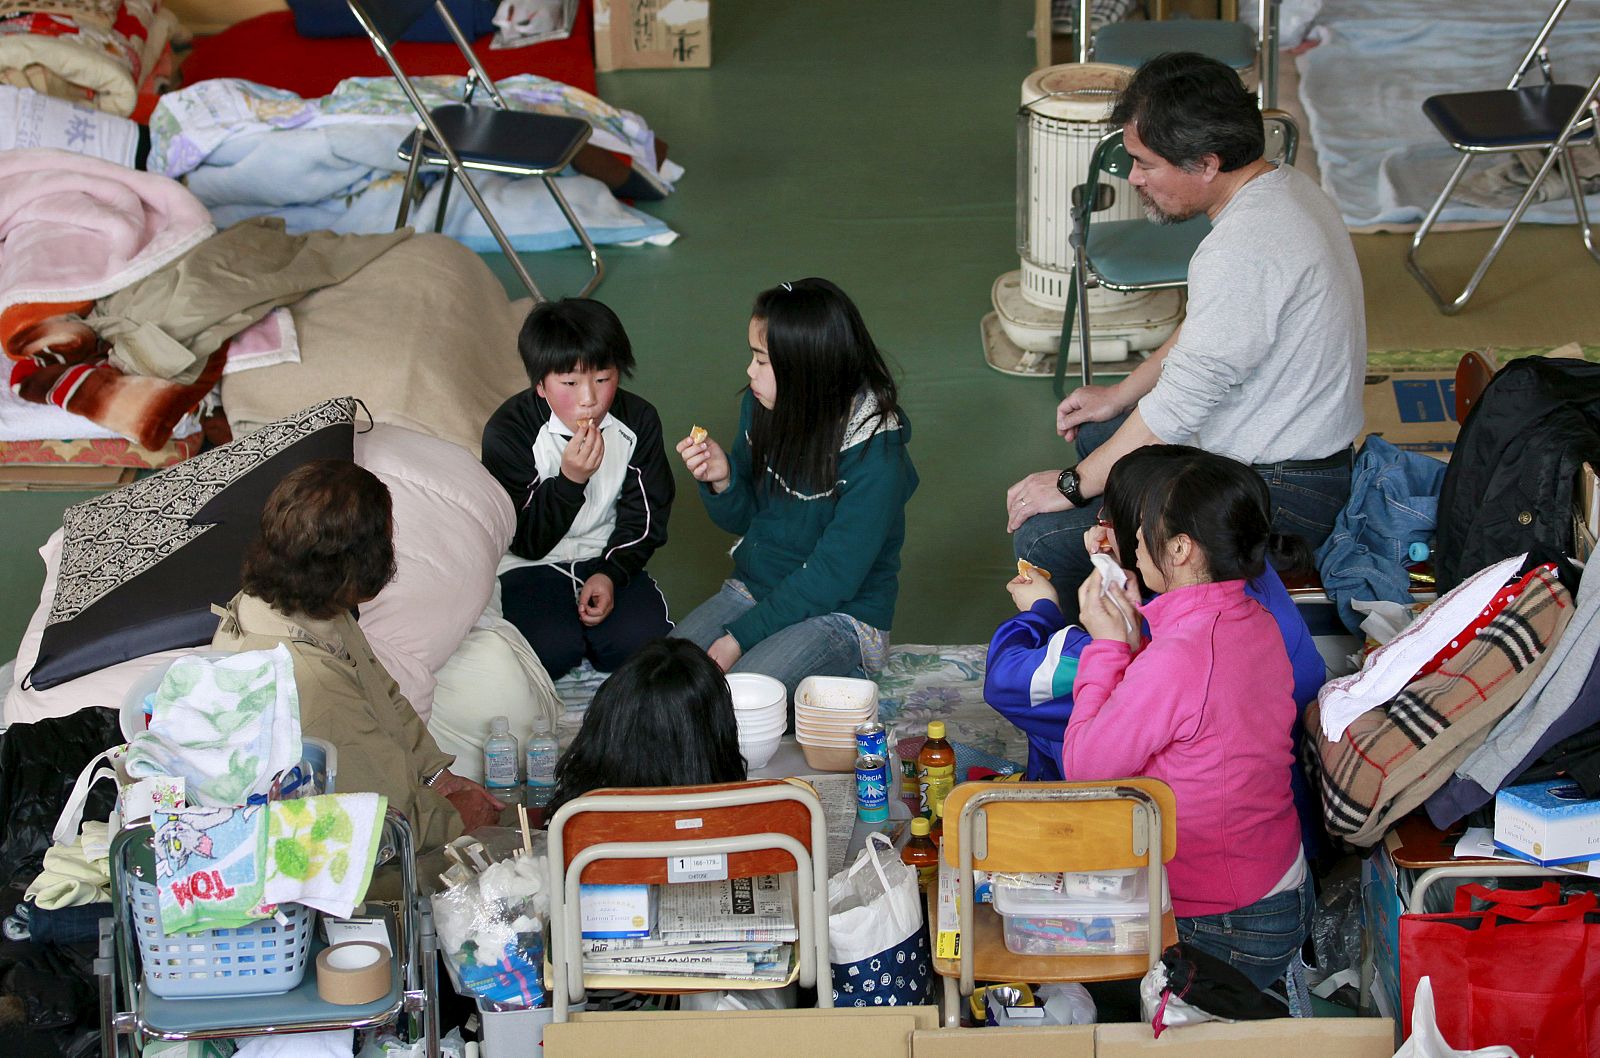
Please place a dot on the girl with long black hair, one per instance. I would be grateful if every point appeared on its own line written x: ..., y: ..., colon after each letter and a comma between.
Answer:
x: 815, y: 487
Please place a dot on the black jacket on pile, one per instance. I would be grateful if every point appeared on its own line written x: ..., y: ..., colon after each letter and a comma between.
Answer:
x: 1517, y: 458
x: 47, y: 994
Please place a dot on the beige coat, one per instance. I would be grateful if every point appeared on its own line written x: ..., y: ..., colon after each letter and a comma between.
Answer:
x: 347, y: 698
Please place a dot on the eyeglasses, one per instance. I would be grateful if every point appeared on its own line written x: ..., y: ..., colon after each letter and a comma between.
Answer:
x: 1101, y: 520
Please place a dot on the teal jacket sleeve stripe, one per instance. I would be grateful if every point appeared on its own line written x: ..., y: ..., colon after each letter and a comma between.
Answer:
x: 871, y: 494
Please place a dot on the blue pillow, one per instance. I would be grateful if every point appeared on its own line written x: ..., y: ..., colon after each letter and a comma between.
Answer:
x: 333, y: 18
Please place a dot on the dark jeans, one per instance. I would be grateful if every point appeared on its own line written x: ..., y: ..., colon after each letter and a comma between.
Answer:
x: 1305, y: 501
x: 1259, y: 940
x: 542, y: 601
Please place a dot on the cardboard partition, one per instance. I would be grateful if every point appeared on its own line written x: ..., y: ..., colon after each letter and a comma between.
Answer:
x: 1283, y: 1038
x: 652, y: 34
x: 1413, y: 410
x: 1068, y: 1041
x: 811, y: 1033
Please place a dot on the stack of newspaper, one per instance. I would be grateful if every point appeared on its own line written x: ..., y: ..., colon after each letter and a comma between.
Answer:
x: 741, y: 929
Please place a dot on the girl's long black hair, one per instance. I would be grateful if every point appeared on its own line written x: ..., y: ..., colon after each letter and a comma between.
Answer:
x: 822, y: 357
x: 1220, y: 503
x: 665, y: 718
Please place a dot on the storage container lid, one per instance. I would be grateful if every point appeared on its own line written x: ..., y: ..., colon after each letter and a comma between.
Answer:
x: 1043, y: 903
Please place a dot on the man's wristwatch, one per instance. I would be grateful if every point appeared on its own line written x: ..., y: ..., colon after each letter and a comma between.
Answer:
x: 1069, y: 485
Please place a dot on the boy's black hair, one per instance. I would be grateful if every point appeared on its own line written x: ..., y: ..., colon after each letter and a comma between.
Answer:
x: 1186, y: 106
x: 665, y: 718
x: 561, y: 336
x: 822, y: 357
x: 1223, y: 505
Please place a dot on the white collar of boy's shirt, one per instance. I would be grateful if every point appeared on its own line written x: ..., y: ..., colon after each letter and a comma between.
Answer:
x: 559, y: 427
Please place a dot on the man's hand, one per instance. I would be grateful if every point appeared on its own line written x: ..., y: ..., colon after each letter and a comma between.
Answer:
x: 726, y: 652
x: 707, y: 462
x: 1034, y: 494
x: 1025, y: 591
x: 1087, y: 404
x: 596, y: 599
x: 582, y: 456
x: 476, y: 806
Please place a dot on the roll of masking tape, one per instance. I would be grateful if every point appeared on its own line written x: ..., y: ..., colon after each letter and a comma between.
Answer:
x: 352, y: 973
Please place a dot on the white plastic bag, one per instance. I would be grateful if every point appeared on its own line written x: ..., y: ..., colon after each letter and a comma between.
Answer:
x: 877, y: 946
x: 1425, y: 1040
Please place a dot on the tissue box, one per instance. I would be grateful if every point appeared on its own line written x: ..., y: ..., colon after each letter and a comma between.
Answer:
x: 1549, y: 823
x: 617, y: 910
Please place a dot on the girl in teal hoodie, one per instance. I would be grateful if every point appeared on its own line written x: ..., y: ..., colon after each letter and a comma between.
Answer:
x: 816, y: 487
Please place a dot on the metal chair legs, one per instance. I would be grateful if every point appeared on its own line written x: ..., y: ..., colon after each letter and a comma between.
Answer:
x: 1448, y: 307
x: 596, y: 266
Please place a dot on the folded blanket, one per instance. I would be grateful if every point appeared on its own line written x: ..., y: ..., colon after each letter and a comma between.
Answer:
x: 168, y: 324
x: 249, y: 150
x: 33, y: 119
x: 74, y: 874
x: 96, y: 51
x: 226, y: 725
x: 210, y: 867
x: 26, y: 420
x: 74, y: 228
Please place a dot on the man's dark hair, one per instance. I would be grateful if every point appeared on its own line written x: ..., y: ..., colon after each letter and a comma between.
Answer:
x: 561, y: 336
x: 1186, y: 106
x: 665, y: 718
x: 326, y: 542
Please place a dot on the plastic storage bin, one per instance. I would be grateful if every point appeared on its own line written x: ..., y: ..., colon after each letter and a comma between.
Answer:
x: 1042, y: 922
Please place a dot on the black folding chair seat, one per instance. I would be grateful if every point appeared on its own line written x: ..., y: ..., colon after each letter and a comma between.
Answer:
x: 460, y: 136
x: 1507, y: 119
x: 513, y: 141
x: 1549, y: 118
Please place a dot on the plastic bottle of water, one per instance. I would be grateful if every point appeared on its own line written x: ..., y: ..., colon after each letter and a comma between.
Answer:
x: 542, y: 752
x: 500, y: 755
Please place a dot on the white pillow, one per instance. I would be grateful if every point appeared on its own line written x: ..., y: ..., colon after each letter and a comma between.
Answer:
x: 452, y: 522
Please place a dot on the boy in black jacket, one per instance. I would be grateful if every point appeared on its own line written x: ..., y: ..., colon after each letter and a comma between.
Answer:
x: 588, y: 476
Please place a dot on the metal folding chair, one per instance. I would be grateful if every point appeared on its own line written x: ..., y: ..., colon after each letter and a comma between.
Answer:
x: 1549, y: 117
x: 1226, y: 39
x: 460, y: 136
x: 1129, y: 255
x: 765, y: 826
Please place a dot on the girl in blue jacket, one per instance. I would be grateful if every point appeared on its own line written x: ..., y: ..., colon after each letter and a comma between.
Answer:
x: 1033, y: 657
x: 815, y: 487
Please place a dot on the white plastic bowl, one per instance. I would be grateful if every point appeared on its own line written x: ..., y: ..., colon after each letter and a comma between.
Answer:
x: 753, y: 691
x: 756, y: 754
x: 846, y: 695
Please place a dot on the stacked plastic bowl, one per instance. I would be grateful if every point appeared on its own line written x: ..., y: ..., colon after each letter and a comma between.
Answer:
x: 761, y: 706
x: 827, y: 710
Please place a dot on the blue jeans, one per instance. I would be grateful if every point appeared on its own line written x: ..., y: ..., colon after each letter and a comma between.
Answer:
x: 1305, y: 502
x: 1259, y: 940
x: 819, y: 646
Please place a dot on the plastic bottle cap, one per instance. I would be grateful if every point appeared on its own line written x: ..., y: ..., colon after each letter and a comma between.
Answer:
x: 935, y: 728
x: 920, y: 827
x: 499, y: 726
x: 541, y: 724
x: 1418, y: 551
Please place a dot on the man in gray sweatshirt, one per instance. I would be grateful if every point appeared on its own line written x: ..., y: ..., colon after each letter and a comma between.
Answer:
x: 1268, y: 365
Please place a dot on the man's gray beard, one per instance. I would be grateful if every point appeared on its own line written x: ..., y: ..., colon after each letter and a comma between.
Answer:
x: 1157, y: 215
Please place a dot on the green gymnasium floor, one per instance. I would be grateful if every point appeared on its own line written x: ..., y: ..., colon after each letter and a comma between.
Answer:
x: 872, y: 144
x: 875, y: 144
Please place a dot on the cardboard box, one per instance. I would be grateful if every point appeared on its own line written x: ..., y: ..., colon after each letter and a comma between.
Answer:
x: 1549, y: 823
x: 1413, y: 410
x: 652, y: 34
x: 1282, y: 1038
x: 1056, y: 1041
x: 881, y: 1031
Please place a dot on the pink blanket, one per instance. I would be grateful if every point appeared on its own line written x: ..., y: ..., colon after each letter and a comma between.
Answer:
x: 75, y: 228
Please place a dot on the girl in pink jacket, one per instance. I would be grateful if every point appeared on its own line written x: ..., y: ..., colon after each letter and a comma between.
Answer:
x: 1205, y: 704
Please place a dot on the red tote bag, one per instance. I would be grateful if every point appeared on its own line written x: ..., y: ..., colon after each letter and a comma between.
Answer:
x: 1524, y: 972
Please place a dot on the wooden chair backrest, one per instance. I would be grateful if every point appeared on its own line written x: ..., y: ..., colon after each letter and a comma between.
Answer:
x: 1061, y: 835
x: 673, y: 823
x: 1472, y: 376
